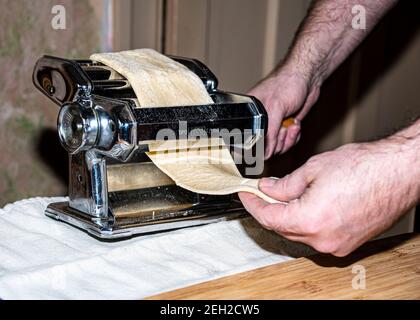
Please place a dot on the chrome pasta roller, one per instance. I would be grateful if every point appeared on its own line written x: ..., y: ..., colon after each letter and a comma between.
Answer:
x: 115, y: 191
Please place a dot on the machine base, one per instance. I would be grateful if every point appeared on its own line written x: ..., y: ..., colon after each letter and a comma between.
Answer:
x: 113, y: 230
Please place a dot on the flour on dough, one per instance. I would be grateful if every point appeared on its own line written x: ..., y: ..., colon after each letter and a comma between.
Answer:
x: 159, y: 81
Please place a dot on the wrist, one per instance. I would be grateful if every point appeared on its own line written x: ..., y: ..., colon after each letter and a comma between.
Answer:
x: 307, y: 73
x: 300, y: 78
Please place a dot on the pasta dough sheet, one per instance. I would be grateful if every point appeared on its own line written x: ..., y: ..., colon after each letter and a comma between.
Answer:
x: 159, y: 81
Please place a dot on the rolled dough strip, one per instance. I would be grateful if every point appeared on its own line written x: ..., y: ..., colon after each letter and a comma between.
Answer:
x: 207, y: 171
x: 159, y: 81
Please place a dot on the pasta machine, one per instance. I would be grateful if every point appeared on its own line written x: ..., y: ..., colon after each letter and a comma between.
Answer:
x: 115, y: 191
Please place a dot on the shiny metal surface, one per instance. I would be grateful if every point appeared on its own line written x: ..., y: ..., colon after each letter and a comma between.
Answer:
x: 63, y: 212
x: 77, y: 127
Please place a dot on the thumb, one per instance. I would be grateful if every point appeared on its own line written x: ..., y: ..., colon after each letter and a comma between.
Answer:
x: 287, y: 188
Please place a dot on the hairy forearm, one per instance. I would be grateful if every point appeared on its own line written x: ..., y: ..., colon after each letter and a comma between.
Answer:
x: 403, y: 166
x: 407, y: 142
x: 326, y: 36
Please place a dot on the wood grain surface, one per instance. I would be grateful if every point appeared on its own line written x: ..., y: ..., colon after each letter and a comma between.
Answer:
x: 392, y: 269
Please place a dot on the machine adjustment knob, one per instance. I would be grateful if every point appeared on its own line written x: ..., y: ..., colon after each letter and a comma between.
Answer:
x: 77, y: 127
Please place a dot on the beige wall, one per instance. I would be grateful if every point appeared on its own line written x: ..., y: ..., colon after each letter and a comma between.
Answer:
x: 137, y: 24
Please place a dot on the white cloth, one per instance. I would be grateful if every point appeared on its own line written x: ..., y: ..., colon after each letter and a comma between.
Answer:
x: 41, y: 258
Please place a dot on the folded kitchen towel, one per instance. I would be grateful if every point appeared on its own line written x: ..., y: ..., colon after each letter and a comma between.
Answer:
x: 41, y: 258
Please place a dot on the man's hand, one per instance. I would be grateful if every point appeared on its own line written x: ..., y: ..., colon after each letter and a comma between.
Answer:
x: 284, y: 93
x: 340, y: 199
x: 324, y: 40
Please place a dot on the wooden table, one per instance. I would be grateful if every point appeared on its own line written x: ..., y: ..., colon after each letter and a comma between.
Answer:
x: 392, y: 269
